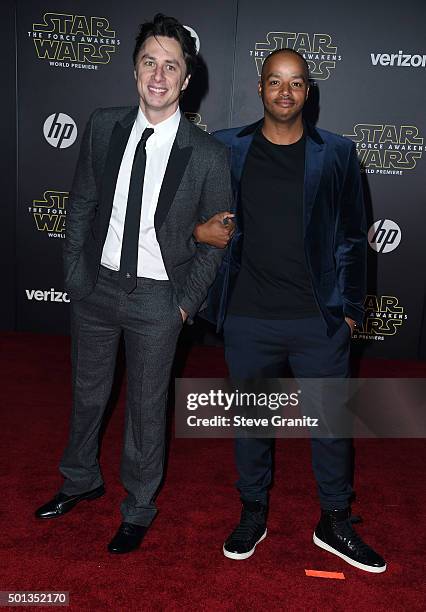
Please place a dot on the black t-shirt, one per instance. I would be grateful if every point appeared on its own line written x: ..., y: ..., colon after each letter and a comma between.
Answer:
x: 273, y: 282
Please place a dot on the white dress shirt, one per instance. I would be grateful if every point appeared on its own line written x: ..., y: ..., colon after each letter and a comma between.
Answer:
x: 158, y: 147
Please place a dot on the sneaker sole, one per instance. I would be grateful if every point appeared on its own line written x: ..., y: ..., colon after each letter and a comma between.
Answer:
x: 246, y: 555
x: 361, y: 566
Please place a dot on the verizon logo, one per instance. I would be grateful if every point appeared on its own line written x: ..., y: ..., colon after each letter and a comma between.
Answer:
x: 398, y: 59
x: 49, y: 295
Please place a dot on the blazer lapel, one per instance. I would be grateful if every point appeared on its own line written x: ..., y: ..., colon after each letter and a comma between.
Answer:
x: 239, y: 149
x: 314, y: 163
x: 117, y: 145
x: 178, y: 160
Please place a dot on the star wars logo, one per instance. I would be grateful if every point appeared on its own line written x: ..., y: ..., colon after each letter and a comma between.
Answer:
x: 318, y: 50
x: 74, y: 41
x: 384, y: 316
x: 49, y: 213
x: 387, y: 149
x: 196, y: 119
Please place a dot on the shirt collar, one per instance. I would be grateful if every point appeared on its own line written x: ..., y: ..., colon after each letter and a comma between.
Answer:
x: 163, y: 131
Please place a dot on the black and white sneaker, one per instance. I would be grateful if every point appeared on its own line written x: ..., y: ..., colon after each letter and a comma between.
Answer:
x: 335, y: 534
x: 250, y: 531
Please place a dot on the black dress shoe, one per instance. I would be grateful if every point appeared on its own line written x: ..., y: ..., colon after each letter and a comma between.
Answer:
x: 61, y: 503
x: 127, y: 538
x: 335, y: 534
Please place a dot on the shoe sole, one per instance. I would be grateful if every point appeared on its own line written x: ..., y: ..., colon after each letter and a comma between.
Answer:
x: 123, y: 552
x: 246, y: 555
x: 361, y: 566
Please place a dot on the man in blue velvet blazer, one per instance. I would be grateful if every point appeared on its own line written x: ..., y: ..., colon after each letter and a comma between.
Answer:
x: 333, y: 226
x: 291, y: 289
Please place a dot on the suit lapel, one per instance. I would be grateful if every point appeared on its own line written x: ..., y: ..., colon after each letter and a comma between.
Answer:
x: 239, y: 149
x: 239, y: 152
x: 117, y: 145
x: 178, y: 161
x: 314, y: 163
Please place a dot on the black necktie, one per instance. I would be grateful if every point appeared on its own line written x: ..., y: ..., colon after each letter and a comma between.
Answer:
x: 130, y: 244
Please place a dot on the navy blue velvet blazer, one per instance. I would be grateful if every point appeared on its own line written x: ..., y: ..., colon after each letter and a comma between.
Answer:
x: 334, y: 226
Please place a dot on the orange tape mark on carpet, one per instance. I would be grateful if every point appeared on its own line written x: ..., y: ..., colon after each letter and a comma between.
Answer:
x: 319, y: 574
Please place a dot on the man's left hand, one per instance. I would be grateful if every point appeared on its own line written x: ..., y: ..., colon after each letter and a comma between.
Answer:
x: 216, y: 231
x: 184, y: 314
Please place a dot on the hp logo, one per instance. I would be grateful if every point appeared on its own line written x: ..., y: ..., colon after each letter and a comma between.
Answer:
x: 60, y: 130
x: 384, y: 236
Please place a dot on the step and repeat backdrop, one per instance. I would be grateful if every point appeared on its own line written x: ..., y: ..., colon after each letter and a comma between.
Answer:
x: 368, y: 68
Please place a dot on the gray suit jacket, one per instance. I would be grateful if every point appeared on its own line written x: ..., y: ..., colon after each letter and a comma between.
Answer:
x: 196, y: 185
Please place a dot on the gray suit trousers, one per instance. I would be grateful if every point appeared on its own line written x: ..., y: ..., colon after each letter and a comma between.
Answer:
x: 150, y: 320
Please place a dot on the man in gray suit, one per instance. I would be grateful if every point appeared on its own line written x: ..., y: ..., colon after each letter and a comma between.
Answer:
x: 145, y: 177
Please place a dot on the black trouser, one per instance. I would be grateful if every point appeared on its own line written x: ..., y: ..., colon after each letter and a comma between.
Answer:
x: 260, y: 347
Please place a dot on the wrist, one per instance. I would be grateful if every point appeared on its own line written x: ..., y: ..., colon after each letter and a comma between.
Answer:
x: 198, y: 232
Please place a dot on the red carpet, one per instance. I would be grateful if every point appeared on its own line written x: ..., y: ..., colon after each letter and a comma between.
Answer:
x: 180, y: 565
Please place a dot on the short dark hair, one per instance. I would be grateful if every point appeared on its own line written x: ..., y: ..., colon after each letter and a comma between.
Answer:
x: 170, y: 27
x: 287, y: 50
